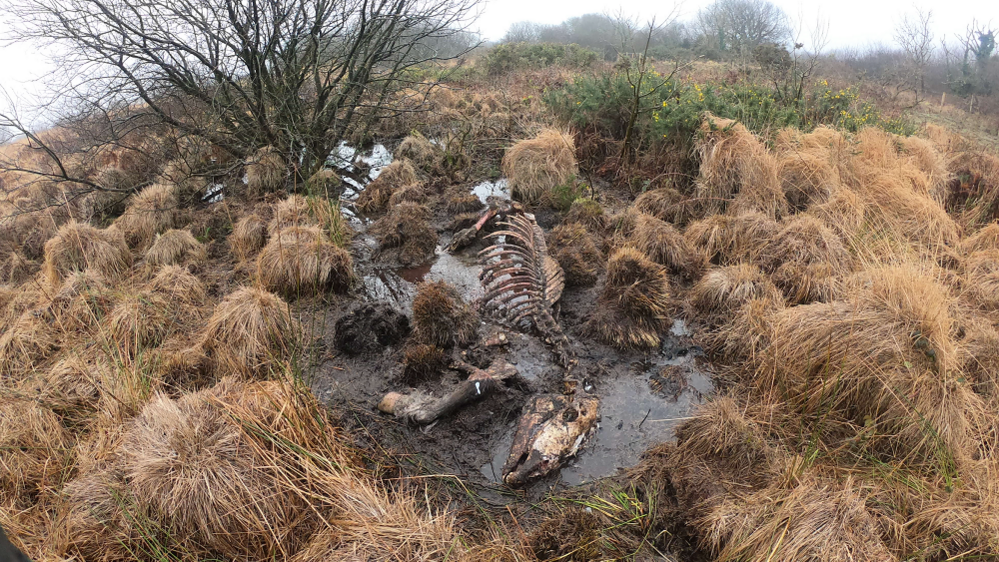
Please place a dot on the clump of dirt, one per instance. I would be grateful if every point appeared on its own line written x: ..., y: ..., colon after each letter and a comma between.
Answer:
x: 369, y: 327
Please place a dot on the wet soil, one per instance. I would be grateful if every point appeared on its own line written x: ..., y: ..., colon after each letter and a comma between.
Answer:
x: 643, y: 396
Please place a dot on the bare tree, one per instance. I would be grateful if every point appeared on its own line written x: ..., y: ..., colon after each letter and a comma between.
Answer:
x: 297, y: 75
x: 740, y: 25
x: 915, y: 38
x: 523, y: 32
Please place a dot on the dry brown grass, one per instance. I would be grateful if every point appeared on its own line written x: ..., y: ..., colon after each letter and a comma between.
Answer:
x: 375, y: 196
x: 16, y: 269
x: 987, y: 238
x: 92, y: 522
x: 931, y: 163
x: 888, y: 355
x: 423, y: 362
x: 152, y: 211
x: 633, y: 309
x: 804, y: 258
x: 460, y: 200
x: 667, y: 204
x: 736, y: 170
x: 722, y: 291
x: 666, y: 246
x: 415, y: 193
x: 728, y: 240
x: 301, y: 260
x: 981, y: 275
x: 179, y: 286
x: 576, y: 252
x: 140, y: 321
x: 817, y: 519
x: 71, y: 388
x: 188, y: 462
x: 420, y: 151
x: 588, y: 213
x: 534, y: 166
x: 248, y: 236
x: 35, y: 451
x: 324, y: 183
x: 250, y: 331
x: 266, y: 171
x: 441, y: 317
x: 78, y: 247
x: 406, y: 234
x: 175, y: 247
x: 807, y: 179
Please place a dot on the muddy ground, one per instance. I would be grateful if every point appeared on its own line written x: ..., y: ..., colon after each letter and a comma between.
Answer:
x: 643, y: 396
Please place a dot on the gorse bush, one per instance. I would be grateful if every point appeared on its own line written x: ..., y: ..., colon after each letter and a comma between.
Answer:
x: 513, y: 56
x: 602, y: 103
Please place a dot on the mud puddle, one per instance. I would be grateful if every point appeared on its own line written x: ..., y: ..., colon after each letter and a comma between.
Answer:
x: 345, y: 159
x: 399, y: 285
x: 499, y: 188
x: 636, y: 412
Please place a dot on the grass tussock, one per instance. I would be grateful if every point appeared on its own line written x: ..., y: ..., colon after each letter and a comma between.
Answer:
x: 981, y: 276
x: 804, y: 257
x: 722, y: 291
x: 175, y: 247
x: 535, y: 166
x: 405, y: 232
x: 250, y: 331
x: 666, y: 246
x: 266, y: 171
x: 35, y: 450
x: 140, y: 321
x: 729, y: 240
x: 807, y: 179
x: 301, y: 261
x: 178, y: 286
x: 588, y: 213
x: 986, y: 238
x: 79, y: 247
x: 667, y: 204
x: 736, y: 170
x: 423, y: 362
x: 249, y: 235
x: 374, y: 199
x: 420, y: 151
x: 150, y: 212
x: 633, y: 308
x: 458, y: 201
x: 324, y: 183
x: 576, y: 252
x: 441, y: 317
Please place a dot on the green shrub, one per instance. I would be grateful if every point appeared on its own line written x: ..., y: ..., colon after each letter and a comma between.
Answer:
x: 603, y: 103
x: 508, y: 57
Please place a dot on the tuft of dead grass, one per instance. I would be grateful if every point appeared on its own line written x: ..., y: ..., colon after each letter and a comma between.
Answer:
x: 729, y: 240
x: 736, y: 170
x: 633, y: 308
x: 151, y: 211
x: 804, y: 257
x: 441, y: 317
x: 375, y: 197
x: 423, y: 362
x: 666, y: 246
x: 588, y: 213
x: 535, y: 166
x: 200, y: 477
x: 266, y: 171
x: 301, y: 261
x: 406, y: 230
x: 420, y: 151
x: 250, y: 331
x: 807, y: 179
x: 175, y: 247
x: 724, y: 290
x: 248, y: 236
x: 324, y: 183
x: 667, y: 204
x: 140, y: 321
x: 574, y: 249
x: 78, y: 247
x: 35, y: 451
x: 178, y: 286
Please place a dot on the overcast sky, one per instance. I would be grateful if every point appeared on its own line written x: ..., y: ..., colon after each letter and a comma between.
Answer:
x: 851, y: 23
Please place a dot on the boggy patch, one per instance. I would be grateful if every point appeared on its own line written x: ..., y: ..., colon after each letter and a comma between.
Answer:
x: 370, y: 327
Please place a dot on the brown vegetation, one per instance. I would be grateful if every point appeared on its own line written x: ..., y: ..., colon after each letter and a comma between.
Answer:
x: 574, y: 249
x: 250, y: 331
x: 301, y: 260
x: 79, y: 247
x: 248, y: 236
x: 175, y: 247
x: 265, y: 171
x: 375, y: 197
x: 441, y: 317
x: 406, y: 229
x: 633, y: 310
x: 535, y: 166
x: 152, y: 211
